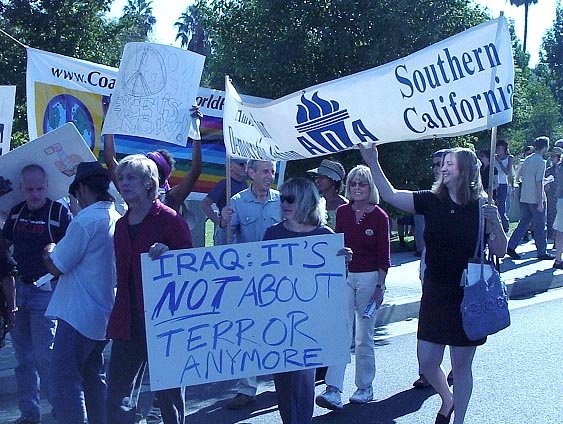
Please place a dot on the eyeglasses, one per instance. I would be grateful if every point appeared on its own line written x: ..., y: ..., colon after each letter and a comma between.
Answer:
x: 362, y: 184
x: 290, y: 198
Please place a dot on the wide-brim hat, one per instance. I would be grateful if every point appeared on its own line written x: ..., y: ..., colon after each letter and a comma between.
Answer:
x: 85, y: 170
x: 330, y: 169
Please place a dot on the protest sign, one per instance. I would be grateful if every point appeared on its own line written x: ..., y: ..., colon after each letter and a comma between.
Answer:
x: 58, y: 152
x: 460, y: 85
x: 224, y: 312
x: 155, y: 88
x: 7, y: 102
x: 63, y: 89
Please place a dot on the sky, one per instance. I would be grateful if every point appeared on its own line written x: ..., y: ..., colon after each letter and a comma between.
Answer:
x: 541, y: 17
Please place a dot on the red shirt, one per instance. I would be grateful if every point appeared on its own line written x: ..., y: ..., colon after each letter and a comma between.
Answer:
x: 368, y: 239
x: 161, y: 225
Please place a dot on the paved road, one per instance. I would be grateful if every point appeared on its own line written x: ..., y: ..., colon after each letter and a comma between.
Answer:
x: 506, y: 358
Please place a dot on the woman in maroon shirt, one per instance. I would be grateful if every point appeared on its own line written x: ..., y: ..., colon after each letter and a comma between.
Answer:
x: 366, y: 231
x: 148, y: 226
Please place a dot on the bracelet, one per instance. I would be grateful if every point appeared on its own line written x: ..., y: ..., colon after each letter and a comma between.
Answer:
x: 379, y: 286
x: 13, y: 311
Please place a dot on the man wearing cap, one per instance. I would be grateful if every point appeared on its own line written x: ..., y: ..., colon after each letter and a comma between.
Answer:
x: 31, y: 225
x: 532, y: 202
x: 218, y: 195
x: 328, y: 179
x: 250, y: 213
x: 84, y: 262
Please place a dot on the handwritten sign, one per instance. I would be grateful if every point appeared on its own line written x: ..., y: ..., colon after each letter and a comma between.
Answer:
x: 224, y: 312
x: 156, y: 87
x: 7, y: 102
x: 59, y: 152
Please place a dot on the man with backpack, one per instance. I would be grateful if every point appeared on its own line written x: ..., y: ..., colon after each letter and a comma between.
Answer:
x: 32, y: 225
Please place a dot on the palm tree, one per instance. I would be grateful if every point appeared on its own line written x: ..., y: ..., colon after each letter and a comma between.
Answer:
x: 191, y: 31
x: 526, y: 4
x: 141, y: 12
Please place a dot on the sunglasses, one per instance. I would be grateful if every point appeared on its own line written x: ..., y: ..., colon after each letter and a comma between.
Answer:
x: 362, y: 184
x: 290, y: 198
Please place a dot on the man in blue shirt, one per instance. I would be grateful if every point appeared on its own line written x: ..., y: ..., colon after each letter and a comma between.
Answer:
x: 249, y: 214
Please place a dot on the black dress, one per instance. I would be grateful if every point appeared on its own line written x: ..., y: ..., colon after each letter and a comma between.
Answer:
x: 450, y: 235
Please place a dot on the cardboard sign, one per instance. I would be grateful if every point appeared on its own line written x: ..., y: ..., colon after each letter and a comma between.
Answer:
x: 7, y: 102
x: 59, y: 152
x: 156, y: 87
x: 224, y: 312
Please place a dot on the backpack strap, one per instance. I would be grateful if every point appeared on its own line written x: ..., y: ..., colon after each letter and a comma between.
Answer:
x: 16, y: 215
x: 54, y: 224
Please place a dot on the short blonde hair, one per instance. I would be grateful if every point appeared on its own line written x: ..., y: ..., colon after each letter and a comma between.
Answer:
x: 145, y: 168
x: 362, y: 173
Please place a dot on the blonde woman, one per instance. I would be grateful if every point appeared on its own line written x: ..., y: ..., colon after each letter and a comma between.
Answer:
x: 451, y: 214
x: 366, y: 232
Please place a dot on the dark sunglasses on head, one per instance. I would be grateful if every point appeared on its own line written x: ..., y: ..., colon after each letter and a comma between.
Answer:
x: 290, y: 198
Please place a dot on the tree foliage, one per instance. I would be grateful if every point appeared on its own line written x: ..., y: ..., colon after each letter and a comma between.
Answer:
x: 271, y: 48
x: 552, y: 60
x: 76, y: 28
x: 526, y: 4
x: 191, y: 32
x: 137, y: 20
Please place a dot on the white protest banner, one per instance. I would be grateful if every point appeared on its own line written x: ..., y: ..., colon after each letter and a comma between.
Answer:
x: 63, y: 89
x: 7, y: 102
x: 224, y: 312
x: 58, y: 152
x: 460, y: 85
x: 155, y: 88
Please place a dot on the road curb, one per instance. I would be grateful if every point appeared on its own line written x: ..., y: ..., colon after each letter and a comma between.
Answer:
x: 540, y: 281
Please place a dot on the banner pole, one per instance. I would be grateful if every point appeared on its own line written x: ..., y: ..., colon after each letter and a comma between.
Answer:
x: 492, y: 163
x: 228, y: 176
x: 13, y: 39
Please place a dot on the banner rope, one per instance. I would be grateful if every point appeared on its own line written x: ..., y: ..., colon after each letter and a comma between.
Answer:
x: 13, y: 38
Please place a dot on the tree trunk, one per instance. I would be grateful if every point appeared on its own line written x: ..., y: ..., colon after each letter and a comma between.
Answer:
x: 526, y: 5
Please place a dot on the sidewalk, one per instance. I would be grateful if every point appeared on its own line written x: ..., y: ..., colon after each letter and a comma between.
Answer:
x: 524, y: 278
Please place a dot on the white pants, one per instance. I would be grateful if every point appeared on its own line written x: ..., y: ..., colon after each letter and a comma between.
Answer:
x: 361, y: 286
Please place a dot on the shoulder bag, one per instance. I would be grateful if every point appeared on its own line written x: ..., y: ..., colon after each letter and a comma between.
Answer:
x: 484, y: 309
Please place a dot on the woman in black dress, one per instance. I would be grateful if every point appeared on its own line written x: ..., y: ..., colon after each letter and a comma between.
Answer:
x: 451, y: 213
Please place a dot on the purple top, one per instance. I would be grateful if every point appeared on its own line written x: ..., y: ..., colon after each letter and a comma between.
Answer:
x: 279, y: 231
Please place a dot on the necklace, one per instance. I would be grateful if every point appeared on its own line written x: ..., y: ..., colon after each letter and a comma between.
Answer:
x: 452, y: 206
x: 362, y: 209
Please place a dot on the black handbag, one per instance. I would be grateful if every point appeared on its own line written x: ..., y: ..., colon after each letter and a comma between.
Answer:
x: 484, y: 309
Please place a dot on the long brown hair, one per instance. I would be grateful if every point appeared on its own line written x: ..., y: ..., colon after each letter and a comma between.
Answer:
x: 469, y: 187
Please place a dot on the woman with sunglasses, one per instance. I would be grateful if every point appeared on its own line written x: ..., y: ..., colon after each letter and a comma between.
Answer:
x: 366, y: 231
x: 302, y: 216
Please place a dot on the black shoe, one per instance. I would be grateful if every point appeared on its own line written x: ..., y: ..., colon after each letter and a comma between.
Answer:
x: 546, y: 257
x: 512, y: 253
x: 444, y: 419
x: 421, y: 382
x: 558, y: 265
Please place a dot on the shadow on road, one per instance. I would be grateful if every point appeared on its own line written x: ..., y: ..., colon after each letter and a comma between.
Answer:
x: 385, y: 411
